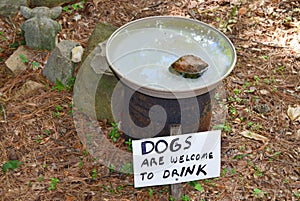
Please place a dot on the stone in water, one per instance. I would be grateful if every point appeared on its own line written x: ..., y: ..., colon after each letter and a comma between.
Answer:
x: 189, y: 66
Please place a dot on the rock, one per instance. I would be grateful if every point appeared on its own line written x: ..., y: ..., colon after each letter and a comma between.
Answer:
x: 101, y: 33
x: 7, y: 8
x: 28, y: 87
x: 49, y: 3
x: 59, y: 65
x: 41, y: 29
x: 94, y: 69
x: 14, y: 63
x: 77, y: 54
x: 262, y: 108
x: 189, y: 66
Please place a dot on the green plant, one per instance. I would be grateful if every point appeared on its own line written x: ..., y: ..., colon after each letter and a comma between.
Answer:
x: 11, y: 165
x: 256, y: 78
x: 196, y: 185
x: 40, y: 179
x: 114, y: 133
x: 258, y: 192
x: 58, y: 110
x: 224, y: 127
x: 185, y: 198
x: 224, y: 172
x: 232, y: 110
x: 258, y: 171
x: 23, y: 58
x: 35, y: 65
x: 240, y: 156
x: 127, y: 168
x: 74, y: 7
x: 150, y: 193
x: 70, y: 84
x: 111, y: 168
x: 296, y: 194
x: 59, y: 86
x: 53, y: 183
x: 47, y: 132
x: 265, y: 57
x: 39, y: 139
x: 14, y: 45
x: 129, y: 144
x: 94, y: 174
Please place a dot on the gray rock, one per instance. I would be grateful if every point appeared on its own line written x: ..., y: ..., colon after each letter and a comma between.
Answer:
x: 59, y: 65
x: 101, y: 32
x: 14, y: 63
x: 41, y: 29
x: 50, y: 3
x: 7, y: 8
x: 94, y: 79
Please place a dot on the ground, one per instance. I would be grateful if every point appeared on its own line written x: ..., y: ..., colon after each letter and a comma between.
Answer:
x: 38, y: 131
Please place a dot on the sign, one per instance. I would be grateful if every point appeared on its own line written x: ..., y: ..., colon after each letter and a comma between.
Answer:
x: 176, y: 159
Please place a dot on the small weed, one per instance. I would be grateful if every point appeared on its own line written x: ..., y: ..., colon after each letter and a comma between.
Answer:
x: 74, y: 7
x: 288, y: 19
x: 23, y: 58
x: 35, y: 65
x: 240, y: 156
x: 44, y: 166
x: 59, y: 86
x: 58, y: 110
x: 196, y: 185
x: 236, y: 91
x: 111, y: 168
x: 39, y: 139
x: 233, y: 110
x: 150, y: 193
x: 256, y: 78
x: 70, y: 84
x: 254, y: 126
x: 296, y: 194
x: 114, y: 133
x: 80, y: 165
x: 14, y: 45
x: 94, y: 174
x: 224, y: 172
x: 267, y: 81
x: 233, y: 171
x: 53, y: 183
x: 185, y: 198
x: 246, y: 85
x: 47, y: 132
x: 127, y: 168
x: 85, y: 152
x: 258, y: 193
x: 11, y: 165
x: 265, y: 57
x: 242, y: 148
x: 129, y: 144
x: 171, y: 198
x: 276, y: 154
x: 40, y: 179
x: 258, y: 172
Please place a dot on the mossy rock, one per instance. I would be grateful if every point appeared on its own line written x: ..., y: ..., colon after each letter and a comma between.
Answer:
x: 101, y: 33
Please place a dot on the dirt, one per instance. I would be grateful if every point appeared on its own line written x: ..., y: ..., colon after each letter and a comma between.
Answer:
x: 37, y: 129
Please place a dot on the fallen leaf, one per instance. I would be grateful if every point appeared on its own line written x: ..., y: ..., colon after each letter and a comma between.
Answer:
x: 294, y: 113
x: 255, y: 136
x: 242, y: 11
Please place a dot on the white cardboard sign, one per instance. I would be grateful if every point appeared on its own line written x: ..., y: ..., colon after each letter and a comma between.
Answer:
x: 176, y: 159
